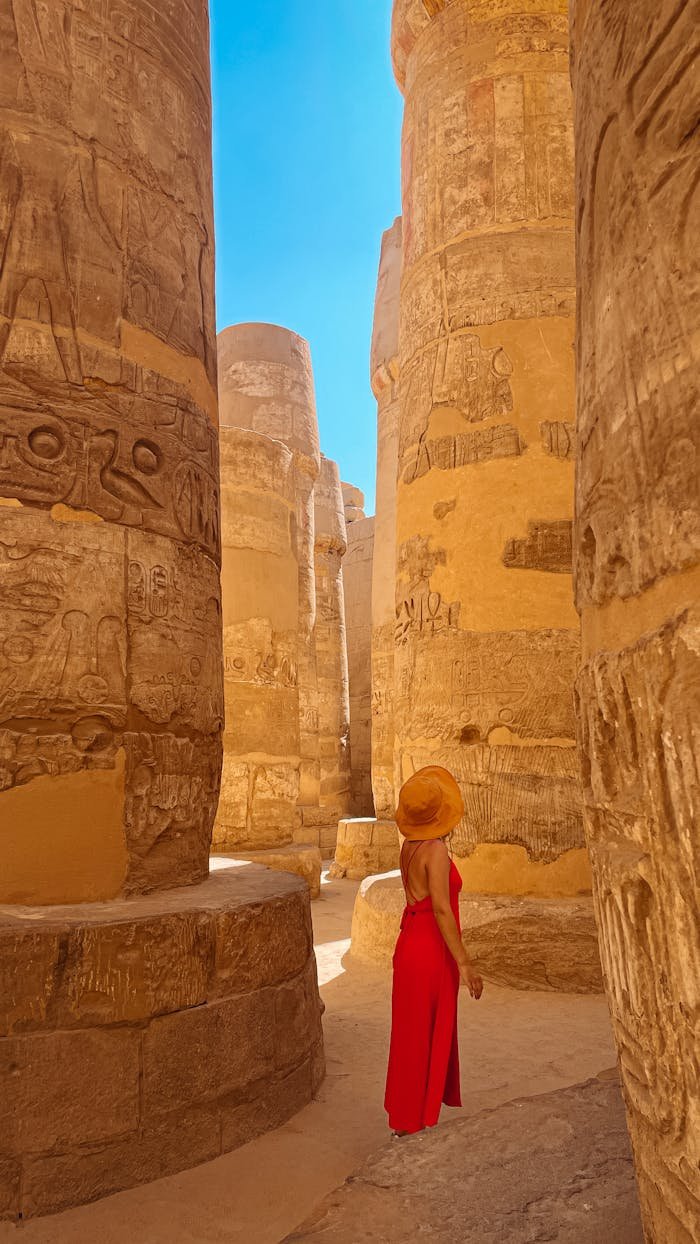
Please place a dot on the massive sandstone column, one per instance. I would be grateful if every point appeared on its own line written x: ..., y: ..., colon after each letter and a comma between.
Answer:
x: 384, y: 374
x: 357, y: 592
x: 270, y: 461
x: 260, y: 596
x: 487, y: 636
x: 331, y: 653
x: 110, y: 634
x: 637, y: 576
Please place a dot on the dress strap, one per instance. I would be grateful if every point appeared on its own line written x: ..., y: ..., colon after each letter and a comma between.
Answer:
x: 410, y: 896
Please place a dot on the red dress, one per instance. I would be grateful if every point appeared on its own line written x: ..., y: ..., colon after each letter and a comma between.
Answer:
x: 423, y: 1067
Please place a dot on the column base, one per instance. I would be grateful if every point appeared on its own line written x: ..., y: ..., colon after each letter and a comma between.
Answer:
x: 300, y: 859
x: 522, y: 943
x: 365, y: 846
x: 141, y: 1037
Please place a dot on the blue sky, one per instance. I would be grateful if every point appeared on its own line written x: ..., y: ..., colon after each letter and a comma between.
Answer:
x: 306, y: 155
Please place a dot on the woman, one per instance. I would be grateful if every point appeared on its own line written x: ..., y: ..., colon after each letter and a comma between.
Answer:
x: 429, y: 960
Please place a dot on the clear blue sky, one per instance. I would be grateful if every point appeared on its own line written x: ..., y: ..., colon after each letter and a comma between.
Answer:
x: 307, y: 122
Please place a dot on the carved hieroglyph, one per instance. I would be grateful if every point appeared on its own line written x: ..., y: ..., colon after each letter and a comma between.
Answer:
x: 486, y: 635
x: 357, y: 591
x: 110, y: 673
x: 270, y: 464
x: 331, y: 649
x: 637, y: 577
x: 384, y: 373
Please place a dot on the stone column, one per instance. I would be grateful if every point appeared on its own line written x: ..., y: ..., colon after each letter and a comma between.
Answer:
x: 384, y: 372
x: 487, y: 639
x: 115, y: 945
x: 259, y: 804
x: 357, y: 590
x: 637, y: 574
x: 266, y: 387
x: 331, y: 654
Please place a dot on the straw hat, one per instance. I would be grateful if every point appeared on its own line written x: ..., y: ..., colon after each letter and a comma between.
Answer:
x: 430, y: 804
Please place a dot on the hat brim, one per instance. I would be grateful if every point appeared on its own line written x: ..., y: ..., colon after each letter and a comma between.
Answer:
x: 448, y: 815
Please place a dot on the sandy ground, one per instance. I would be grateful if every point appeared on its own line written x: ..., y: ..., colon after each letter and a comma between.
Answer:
x: 513, y: 1045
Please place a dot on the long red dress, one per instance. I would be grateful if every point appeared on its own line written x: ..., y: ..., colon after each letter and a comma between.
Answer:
x: 423, y: 1067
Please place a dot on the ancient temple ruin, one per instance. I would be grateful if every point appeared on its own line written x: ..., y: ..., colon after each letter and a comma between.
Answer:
x: 183, y: 577
x: 637, y: 579
x: 121, y: 958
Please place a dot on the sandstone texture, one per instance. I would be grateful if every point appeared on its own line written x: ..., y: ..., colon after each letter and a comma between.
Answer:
x: 110, y: 623
x: 486, y: 637
x: 384, y: 374
x: 357, y: 590
x: 331, y: 650
x: 269, y: 464
x: 302, y: 860
x: 637, y: 578
x: 552, y: 1167
x: 141, y: 1037
x: 365, y: 847
x: 523, y: 943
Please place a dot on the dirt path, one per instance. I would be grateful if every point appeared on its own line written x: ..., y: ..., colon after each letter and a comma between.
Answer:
x: 513, y: 1045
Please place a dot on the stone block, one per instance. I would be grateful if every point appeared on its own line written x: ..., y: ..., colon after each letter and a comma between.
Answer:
x: 552, y: 1167
x: 63, y: 1086
x: 10, y: 1173
x: 365, y: 847
x: 302, y: 859
x: 523, y: 943
x: 281, y: 1098
x: 297, y: 1010
x: 202, y: 1054
x: 261, y: 945
x: 184, y: 1138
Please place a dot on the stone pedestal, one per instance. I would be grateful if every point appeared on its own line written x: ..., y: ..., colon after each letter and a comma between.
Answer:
x: 637, y: 565
x: 524, y: 943
x: 365, y: 847
x: 303, y: 860
x: 141, y: 1037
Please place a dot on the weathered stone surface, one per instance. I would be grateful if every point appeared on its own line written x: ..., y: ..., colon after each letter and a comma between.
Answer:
x: 384, y: 374
x: 140, y: 1027
x: 269, y: 465
x: 484, y: 666
x: 265, y: 378
x: 357, y: 591
x: 331, y: 649
x: 302, y: 859
x: 110, y: 676
x: 42, y: 1108
x: 524, y: 943
x: 554, y: 1167
x: 365, y: 847
x: 637, y: 581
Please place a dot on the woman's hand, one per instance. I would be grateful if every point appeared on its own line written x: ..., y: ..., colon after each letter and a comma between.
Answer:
x: 471, y: 979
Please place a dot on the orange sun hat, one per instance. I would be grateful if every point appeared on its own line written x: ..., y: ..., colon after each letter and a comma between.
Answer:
x: 430, y: 804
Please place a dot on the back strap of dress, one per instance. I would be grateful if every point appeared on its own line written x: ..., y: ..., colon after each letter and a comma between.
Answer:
x: 404, y: 872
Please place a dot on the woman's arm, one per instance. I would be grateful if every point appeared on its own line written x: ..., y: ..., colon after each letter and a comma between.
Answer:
x: 438, y: 874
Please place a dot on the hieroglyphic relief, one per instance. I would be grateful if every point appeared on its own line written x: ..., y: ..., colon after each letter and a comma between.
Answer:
x: 547, y: 546
x: 461, y: 693
x: 558, y: 438
x: 447, y: 453
x: 107, y: 369
x: 637, y: 542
